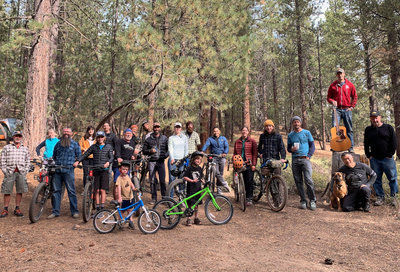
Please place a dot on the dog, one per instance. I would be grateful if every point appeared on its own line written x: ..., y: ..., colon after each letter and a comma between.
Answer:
x: 339, y: 190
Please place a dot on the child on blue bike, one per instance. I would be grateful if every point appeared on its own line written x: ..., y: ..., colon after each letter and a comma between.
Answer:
x: 124, y: 190
x: 194, y: 177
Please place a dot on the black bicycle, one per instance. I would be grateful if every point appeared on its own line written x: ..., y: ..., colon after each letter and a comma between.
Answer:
x: 45, y: 188
x: 89, y: 194
x: 177, y: 188
x: 273, y: 186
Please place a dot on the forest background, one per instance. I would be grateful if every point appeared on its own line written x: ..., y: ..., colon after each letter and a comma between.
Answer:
x: 218, y: 63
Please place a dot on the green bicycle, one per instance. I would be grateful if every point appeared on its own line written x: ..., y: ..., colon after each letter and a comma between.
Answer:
x: 218, y: 208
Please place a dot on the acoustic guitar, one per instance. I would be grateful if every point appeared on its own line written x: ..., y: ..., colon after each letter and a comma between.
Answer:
x: 340, y: 141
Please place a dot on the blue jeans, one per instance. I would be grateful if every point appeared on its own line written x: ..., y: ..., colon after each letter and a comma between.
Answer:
x: 347, y: 120
x: 68, y: 178
x: 301, y: 168
x: 387, y: 166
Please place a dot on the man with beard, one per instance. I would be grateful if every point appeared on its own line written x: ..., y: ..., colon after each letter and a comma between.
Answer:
x: 15, y: 165
x: 65, y: 153
x: 157, y: 146
x: 380, y: 145
x: 124, y: 150
x: 111, y: 138
x: 194, y: 143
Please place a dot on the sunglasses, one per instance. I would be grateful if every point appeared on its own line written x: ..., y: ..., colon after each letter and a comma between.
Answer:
x: 156, y: 126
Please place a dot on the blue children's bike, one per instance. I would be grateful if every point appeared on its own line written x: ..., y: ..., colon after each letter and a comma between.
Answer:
x: 105, y: 221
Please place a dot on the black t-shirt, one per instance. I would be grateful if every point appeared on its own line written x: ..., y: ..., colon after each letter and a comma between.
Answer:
x: 358, y: 175
x: 124, y: 150
x: 194, y: 172
x: 111, y: 139
x: 380, y: 142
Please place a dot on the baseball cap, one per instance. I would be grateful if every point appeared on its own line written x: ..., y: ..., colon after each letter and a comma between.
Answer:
x: 339, y: 70
x: 100, y: 134
x: 374, y: 113
x: 128, y: 130
x: 17, y: 132
x: 178, y: 124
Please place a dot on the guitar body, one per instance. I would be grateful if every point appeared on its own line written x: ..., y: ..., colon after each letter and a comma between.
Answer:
x: 340, y: 141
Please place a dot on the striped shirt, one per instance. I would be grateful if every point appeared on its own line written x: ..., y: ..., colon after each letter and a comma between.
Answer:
x: 13, y: 157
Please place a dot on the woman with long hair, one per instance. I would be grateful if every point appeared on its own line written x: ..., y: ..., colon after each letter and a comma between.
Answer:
x: 85, y: 142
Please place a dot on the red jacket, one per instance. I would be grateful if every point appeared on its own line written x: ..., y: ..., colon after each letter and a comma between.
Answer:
x: 250, y: 149
x: 345, y: 96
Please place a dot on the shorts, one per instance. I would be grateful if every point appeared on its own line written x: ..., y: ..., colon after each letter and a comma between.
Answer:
x: 101, y: 180
x: 19, y: 179
x: 126, y: 203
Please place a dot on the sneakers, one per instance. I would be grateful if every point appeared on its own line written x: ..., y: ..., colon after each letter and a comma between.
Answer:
x: 17, y: 212
x: 393, y: 201
x: 366, y: 206
x: 4, y: 213
x: 131, y: 225
x: 249, y: 203
x: 224, y: 188
x: 379, y: 201
x: 75, y: 215
x: 51, y: 216
x: 303, y: 205
x: 313, y: 205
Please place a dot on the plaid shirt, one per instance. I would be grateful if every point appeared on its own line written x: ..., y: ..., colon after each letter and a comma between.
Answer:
x: 193, y: 141
x: 66, y: 156
x: 13, y: 157
x: 271, y: 146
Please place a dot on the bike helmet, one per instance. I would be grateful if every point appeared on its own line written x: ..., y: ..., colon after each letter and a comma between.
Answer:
x: 237, y: 161
x: 196, y: 153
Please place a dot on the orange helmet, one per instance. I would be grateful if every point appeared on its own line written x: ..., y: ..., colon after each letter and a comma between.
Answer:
x: 237, y: 161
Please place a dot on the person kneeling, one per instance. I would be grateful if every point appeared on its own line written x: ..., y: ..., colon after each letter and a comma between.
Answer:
x: 194, y: 177
x: 124, y: 190
x: 359, y: 179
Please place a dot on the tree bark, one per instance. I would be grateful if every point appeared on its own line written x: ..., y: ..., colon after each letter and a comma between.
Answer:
x: 204, y: 123
x: 300, y: 63
x: 246, y: 104
x: 368, y: 72
x: 43, y: 46
x: 275, y: 91
x: 322, y: 100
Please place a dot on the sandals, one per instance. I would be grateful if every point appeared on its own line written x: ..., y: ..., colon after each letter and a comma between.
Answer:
x: 197, y: 221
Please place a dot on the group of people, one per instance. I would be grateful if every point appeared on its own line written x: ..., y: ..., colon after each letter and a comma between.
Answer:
x: 106, y: 150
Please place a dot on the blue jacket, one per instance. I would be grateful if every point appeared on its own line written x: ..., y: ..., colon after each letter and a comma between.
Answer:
x: 217, y: 146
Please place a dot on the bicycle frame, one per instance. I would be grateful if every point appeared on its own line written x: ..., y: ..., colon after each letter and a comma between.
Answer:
x: 205, y: 191
x: 137, y: 206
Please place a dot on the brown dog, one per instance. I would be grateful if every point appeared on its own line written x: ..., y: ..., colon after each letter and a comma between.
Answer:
x: 339, y: 190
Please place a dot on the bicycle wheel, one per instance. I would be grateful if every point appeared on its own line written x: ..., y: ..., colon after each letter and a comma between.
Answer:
x: 276, y: 193
x: 257, y: 186
x: 178, y: 186
x: 87, y: 201
x: 241, y: 192
x: 218, y: 216
x: 105, y: 221
x: 38, y: 202
x: 149, y: 222
x: 168, y: 221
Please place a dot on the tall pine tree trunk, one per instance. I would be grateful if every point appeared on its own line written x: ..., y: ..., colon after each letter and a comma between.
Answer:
x: 322, y: 99
x: 301, y: 64
x: 246, y: 104
x: 368, y: 72
x: 44, y: 43
x: 394, y: 74
x: 275, y: 92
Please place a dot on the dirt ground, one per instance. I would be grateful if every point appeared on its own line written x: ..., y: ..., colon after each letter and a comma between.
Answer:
x: 256, y: 240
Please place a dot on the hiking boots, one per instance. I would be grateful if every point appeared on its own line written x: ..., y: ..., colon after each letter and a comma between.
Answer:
x: 366, y: 206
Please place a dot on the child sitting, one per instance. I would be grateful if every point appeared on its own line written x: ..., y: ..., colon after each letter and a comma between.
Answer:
x: 194, y: 178
x: 124, y: 190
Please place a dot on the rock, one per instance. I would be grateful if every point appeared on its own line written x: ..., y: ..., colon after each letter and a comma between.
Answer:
x: 80, y: 248
x: 91, y: 244
x: 328, y: 261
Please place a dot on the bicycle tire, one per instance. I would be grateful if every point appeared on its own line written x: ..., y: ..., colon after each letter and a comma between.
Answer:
x: 235, y: 181
x: 38, y: 202
x: 87, y: 201
x: 150, y: 223
x: 167, y: 221
x: 258, y: 180
x: 222, y: 216
x: 101, y: 227
x: 242, y: 192
x: 178, y: 186
x: 276, y: 193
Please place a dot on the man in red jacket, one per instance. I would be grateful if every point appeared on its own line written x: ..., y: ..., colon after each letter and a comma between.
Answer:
x: 342, y: 94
